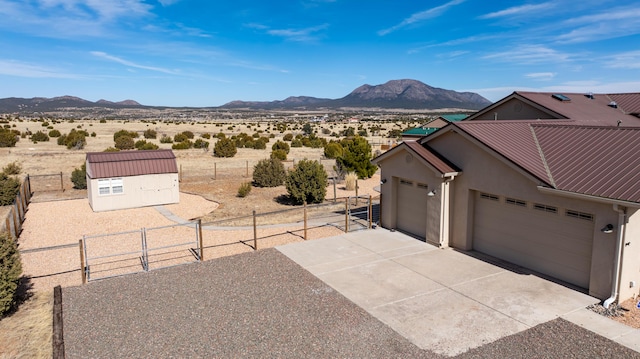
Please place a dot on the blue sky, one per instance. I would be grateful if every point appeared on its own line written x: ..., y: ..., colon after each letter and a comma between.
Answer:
x: 207, y: 53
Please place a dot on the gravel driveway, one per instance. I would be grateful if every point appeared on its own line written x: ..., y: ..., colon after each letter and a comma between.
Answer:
x: 261, y: 304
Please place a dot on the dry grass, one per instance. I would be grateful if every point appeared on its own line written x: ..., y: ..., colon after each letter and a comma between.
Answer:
x: 27, y: 332
x: 630, y: 313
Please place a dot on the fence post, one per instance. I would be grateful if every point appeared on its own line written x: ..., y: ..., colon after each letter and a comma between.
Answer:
x: 61, y: 182
x: 58, y: 330
x: 180, y: 175
x: 247, y: 169
x: 255, y: 232
x: 83, y: 272
x: 200, y: 236
x: 346, y: 215
x: 370, y: 212
x: 8, y: 224
x: 305, y: 220
x: 356, y: 191
x: 145, y: 253
x: 29, y: 185
x: 215, y: 171
x: 15, y: 223
x: 334, y: 189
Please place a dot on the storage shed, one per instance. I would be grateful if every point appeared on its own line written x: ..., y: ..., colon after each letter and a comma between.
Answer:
x: 131, y: 179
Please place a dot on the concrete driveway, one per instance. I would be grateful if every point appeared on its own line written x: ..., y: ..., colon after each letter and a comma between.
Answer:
x: 442, y: 300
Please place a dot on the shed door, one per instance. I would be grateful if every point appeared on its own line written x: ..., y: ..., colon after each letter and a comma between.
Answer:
x: 543, y: 238
x: 412, y: 208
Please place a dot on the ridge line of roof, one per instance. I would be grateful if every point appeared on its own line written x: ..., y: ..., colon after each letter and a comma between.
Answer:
x: 544, y: 159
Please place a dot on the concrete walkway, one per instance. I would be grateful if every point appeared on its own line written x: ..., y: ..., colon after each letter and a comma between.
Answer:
x: 444, y: 300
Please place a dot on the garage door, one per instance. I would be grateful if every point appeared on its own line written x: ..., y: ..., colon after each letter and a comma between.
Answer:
x: 537, y: 236
x: 412, y: 208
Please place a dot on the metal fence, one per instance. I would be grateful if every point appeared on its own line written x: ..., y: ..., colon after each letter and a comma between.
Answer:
x: 115, y: 254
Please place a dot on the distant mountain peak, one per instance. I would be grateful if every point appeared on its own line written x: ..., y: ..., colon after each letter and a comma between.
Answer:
x: 394, y: 94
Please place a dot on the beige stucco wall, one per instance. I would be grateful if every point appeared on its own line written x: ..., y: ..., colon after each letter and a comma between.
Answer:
x: 395, y: 168
x: 139, y: 191
x: 515, y: 109
x: 631, y: 256
x: 485, y: 173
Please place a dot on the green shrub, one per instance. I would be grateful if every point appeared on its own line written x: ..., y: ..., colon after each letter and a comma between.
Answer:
x: 184, y: 145
x: 288, y: 137
x: 356, y: 157
x: 8, y: 138
x: 149, y: 133
x: 279, y: 155
x: 280, y: 145
x: 205, y: 136
x: 269, y: 173
x: 244, y: 189
x: 39, y: 136
x: 111, y: 149
x: 307, y: 182
x: 296, y: 143
x: 132, y: 134
x: 93, y: 134
x: 9, y: 187
x: 200, y: 143
x: 333, y: 150
x: 188, y: 134
x: 74, y: 140
x: 45, y: 124
x: 261, y: 143
x: 103, y: 121
x: 124, y: 142
x: 225, y: 148
x: 10, y: 271
x: 12, y: 168
x: 54, y: 133
x: 148, y: 146
x: 180, y: 137
x: 79, y: 177
x: 165, y: 139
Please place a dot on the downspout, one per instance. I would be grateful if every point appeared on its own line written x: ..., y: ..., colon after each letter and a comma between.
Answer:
x: 618, y: 258
x: 444, y: 212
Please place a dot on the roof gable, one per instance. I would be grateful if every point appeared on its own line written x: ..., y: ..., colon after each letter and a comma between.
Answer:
x: 427, y: 155
x: 130, y: 163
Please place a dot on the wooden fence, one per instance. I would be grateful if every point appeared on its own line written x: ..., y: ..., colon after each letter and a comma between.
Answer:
x: 15, y: 217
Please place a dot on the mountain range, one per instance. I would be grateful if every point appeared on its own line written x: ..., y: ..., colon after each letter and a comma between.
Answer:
x: 395, y: 94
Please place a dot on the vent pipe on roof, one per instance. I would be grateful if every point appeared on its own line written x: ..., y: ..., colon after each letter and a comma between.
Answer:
x: 613, y: 104
x: 495, y: 116
x: 619, y: 122
x: 589, y: 95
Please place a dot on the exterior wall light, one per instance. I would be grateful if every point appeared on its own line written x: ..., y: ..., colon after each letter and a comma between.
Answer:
x: 607, y: 229
x: 431, y: 193
x: 383, y: 181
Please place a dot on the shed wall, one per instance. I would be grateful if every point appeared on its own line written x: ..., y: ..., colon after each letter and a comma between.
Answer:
x: 139, y: 191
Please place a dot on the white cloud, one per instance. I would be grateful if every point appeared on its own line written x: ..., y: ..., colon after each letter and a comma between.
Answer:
x: 541, y: 76
x: 21, y: 69
x: 300, y: 35
x: 421, y: 16
x: 624, y: 60
x: 529, y: 54
x: 132, y: 64
x: 611, y: 24
x: 519, y: 10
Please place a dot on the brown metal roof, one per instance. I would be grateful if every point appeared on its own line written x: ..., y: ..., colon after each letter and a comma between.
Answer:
x: 581, y: 109
x: 427, y: 154
x: 598, y: 161
x: 602, y: 161
x: 513, y: 140
x: 130, y: 163
x: 627, y: 102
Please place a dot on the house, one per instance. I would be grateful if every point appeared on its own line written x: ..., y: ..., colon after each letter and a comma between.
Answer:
x: 559, y: 195
x: 431, y: 126
x: 131, y: 179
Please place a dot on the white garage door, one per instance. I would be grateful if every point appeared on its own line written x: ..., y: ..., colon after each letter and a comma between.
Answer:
x: 412, y: 208
x: 547, y: 239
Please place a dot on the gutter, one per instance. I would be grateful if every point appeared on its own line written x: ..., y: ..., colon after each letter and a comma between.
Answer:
x: 618, y: 258
x: 588, y: 197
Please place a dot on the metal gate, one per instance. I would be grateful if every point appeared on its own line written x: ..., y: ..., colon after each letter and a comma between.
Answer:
x: 115, y: 254
x: 358, y: 213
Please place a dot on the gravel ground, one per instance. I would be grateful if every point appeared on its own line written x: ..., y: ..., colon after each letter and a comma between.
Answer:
x: 258, y: 304
x: 262, y: 304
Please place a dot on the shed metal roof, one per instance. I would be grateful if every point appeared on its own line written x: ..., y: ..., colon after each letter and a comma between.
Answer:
x: 130, y: 163
x: 454, y: 117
